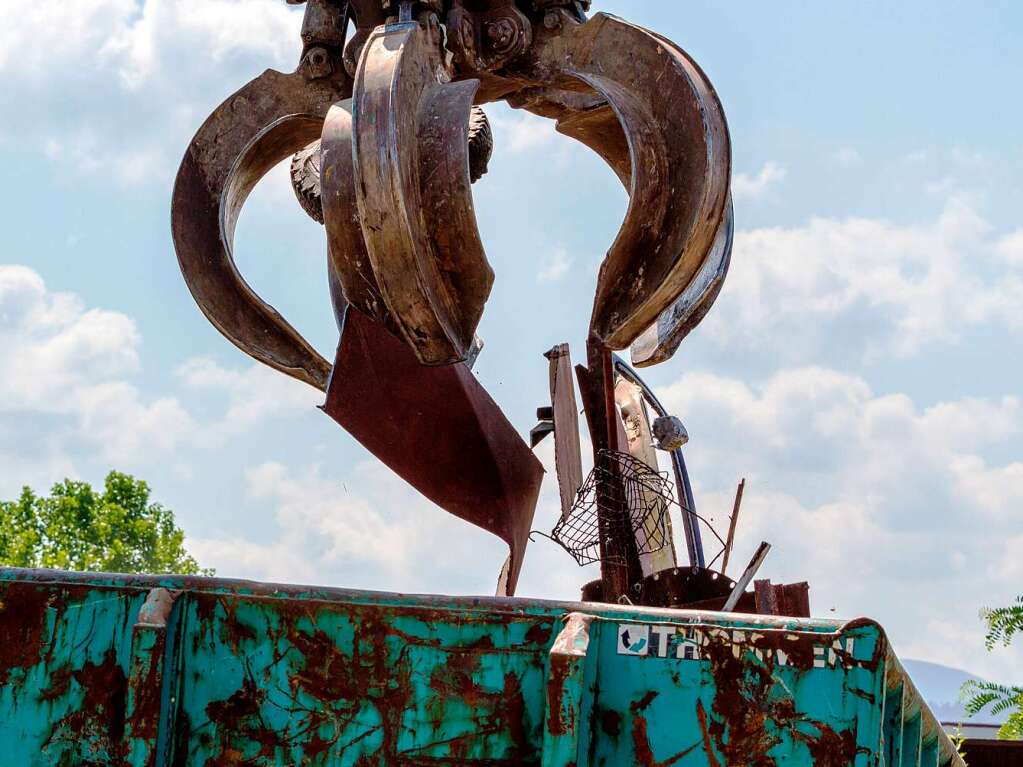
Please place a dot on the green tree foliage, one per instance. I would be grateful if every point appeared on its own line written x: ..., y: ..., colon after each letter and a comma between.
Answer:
x: 78, y: 527
x: 1003, y: 624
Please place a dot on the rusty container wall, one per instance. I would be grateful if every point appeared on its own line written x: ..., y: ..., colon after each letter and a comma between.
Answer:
x: 167, y: 672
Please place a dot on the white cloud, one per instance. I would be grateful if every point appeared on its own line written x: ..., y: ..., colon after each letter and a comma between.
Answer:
x: 1010, y: 248
x: 64, y: 361
x: 254, y: 394
x: 89, y: 153
x: 889, y: 509
x: 72, y: 368
x: 140, y: 41
x: 53, y: 345
x: 848, y: 157
x: 754, y: 188
x: 138, y: 76
x: 142, y: 46
x: 360, y: 526
x: 867, y: 494
x: 794, y: 291
x: 555, y: 266
x: 518, y: 131
x: 942, y: 187
x: 970, y: 158
x: 363, y: 529
x: 37, y: 40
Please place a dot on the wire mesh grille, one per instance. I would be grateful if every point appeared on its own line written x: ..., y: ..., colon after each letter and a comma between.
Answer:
x: 621, y: 496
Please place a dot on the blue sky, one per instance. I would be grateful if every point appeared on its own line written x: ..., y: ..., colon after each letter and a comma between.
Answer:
x: 861, y: 368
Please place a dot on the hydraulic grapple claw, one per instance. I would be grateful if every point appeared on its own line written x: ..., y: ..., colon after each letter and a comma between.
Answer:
x: 385, y: 124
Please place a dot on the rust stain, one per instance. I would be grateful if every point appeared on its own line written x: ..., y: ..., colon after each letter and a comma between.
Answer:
x: 96, y: 726
x: 611, y: 723
x: 643, y: 752
x: 831, y: 748
x: 558, y: 723
x: 239, y: 721
x: 23, y: 626
x: 344, y: 681
x: 59, y: 686
x: 708, y: 746
x: 493, y: 712
x: 244, y: 704
x: 147, y: 693
x: 540, y: 633
x: 748, y: 719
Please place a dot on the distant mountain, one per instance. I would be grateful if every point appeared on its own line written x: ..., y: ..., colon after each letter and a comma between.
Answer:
x: 939, y: 685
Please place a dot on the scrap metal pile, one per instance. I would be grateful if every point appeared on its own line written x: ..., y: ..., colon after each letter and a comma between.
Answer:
x: 383, y: 123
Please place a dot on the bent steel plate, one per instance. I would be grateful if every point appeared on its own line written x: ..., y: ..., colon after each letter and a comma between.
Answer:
x: 411, y: 165
x: 670, y: 147
x: 262, y: 124
x: 439, y: 430
x: 662, y: 339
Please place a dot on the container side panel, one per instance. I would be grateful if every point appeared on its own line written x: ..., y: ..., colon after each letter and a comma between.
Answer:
x: 911, y: 741
x: 893, y: 713
x: 759, y: 697
x: 134, y: 671
x: 65, y: 655
x: 270, y: 682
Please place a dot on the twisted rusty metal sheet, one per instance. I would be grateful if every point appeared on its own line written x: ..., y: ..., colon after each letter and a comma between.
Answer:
x: 439, y: 430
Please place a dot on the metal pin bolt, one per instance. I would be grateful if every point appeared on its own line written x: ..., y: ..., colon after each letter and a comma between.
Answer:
x: 317, y: 63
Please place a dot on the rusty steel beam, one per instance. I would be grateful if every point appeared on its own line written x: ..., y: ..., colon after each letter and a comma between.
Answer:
x: 732, y: 522
x: 748, y: 575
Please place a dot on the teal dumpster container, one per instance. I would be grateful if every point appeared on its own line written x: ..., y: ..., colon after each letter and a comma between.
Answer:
x: 122, y: 670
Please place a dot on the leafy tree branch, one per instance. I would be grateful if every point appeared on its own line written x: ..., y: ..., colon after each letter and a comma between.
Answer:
x: 1003, y: 624
x: 76, y: 527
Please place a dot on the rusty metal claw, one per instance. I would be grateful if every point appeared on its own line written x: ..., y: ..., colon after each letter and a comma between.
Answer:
x: 265, y: 122
x: 659, y: 124
x: 660, y: 341
x: 396, y: 172
x: 411, y: 163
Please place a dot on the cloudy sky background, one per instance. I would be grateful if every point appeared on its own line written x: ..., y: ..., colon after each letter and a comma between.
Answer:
x: 862, y: 368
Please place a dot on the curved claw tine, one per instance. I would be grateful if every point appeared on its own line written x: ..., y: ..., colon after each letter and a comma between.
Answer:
x: 413, y: 192
x: 266, y: 121
x: 661, y: 340
x: 349, y: 259
x: 677, y: 168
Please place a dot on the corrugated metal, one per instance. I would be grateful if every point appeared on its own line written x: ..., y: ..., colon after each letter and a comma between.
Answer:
x: 118, y: 670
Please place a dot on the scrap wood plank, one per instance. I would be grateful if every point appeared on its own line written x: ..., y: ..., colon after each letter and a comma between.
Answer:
x: 567, y: 452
